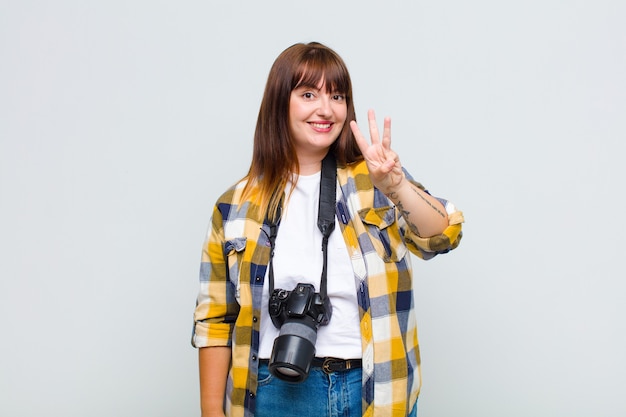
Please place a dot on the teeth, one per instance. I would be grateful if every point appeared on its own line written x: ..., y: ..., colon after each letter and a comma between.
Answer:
x: 321, y: 125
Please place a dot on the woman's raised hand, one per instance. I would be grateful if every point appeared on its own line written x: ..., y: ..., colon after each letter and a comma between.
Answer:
x: 383, y: 163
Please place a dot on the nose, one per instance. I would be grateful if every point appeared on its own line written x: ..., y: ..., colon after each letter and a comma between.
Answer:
x: 324, y: 108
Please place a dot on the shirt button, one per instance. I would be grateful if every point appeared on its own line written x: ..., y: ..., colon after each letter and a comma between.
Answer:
x: 258, y: 279
x: 254, y: 357
x: 254, y: 319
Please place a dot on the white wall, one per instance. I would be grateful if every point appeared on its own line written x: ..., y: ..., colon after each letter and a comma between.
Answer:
x: 122, y: 121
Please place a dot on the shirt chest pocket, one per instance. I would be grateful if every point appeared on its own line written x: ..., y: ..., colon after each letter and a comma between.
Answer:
x: 233, y: 254
x: 384, y: 233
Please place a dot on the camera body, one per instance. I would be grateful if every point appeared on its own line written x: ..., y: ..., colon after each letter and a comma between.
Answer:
x: 298, y: 314
x: 301, y: 303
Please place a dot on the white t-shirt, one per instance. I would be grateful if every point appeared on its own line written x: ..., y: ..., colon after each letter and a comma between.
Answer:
x: 298, y: 259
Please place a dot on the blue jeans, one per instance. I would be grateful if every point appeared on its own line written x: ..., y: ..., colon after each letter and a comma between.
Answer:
x: 321, y: 395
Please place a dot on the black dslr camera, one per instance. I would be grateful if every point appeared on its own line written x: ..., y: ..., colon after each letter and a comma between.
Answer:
x: 298, y: 314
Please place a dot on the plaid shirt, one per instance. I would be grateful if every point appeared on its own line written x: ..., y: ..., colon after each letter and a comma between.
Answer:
x: 235, y: 258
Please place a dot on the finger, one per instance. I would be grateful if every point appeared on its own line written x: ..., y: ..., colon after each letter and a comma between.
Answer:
x: 358, y: 137
x: 387, y: 133
x: 371, y: 118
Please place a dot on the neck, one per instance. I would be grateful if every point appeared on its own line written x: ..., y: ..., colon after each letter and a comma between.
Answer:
x: 310, y: 164
x: 310, y: 168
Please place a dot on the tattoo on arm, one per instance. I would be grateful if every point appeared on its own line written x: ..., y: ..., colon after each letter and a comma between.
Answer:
x: 405, y: 214
x: 437, y: 209
x: 394, y: 196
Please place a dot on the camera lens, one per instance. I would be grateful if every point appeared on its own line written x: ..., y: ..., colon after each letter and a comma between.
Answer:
x: 294, y: 350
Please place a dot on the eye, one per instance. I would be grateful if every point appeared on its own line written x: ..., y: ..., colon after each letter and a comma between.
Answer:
x: 338, y: 97
x: 308, y: 95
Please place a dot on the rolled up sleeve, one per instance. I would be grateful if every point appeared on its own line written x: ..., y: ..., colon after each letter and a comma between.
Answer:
x: 216, y: 306
x: 429, y: 247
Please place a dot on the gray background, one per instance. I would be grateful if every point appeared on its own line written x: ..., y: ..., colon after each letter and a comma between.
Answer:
x: 122, y: 121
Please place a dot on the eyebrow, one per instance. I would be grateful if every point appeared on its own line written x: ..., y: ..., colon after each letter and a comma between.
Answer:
x: 318, y: 89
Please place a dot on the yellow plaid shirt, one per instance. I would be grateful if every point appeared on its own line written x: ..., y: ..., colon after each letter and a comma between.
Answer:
x: 235, y: 258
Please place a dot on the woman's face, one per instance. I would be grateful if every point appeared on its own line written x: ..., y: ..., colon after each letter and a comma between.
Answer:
x: 315, y: 119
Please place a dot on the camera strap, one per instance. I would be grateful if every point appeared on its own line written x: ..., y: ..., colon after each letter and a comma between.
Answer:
x: 325, y: 219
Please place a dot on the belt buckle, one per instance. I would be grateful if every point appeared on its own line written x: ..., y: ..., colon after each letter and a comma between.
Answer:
x: 326, y: 365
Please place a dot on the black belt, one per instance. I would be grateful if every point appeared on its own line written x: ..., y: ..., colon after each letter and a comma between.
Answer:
x: 330, y: 365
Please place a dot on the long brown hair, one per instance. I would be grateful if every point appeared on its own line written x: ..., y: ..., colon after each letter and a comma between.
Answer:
x: 274, y: 159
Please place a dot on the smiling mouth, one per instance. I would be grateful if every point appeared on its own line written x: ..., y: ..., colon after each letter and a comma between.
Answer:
x: 321, y: 125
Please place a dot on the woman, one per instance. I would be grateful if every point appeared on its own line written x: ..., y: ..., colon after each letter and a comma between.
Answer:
x: 264, y: 238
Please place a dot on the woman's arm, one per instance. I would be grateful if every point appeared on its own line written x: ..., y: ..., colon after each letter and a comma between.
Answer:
x: 215, y: 315
x: 214, y: 363
x: 424, y: 214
